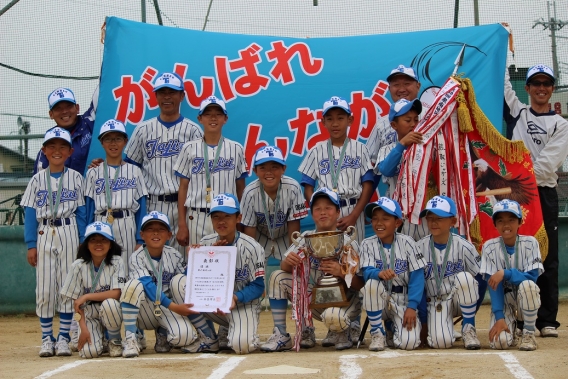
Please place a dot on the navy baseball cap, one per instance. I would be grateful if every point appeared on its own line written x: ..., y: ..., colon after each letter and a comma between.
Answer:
x: 101, y: 228
x: 155, y: 216
x: 335, y: 102
x: 325, y: 192
x: 226, y: 203
x: 388, y: 205
x: 169, y: 80
x: 403, y: 106
x: 268, y: 154
x: 540, y: 69
x: 442, y: 206
x: 510, y: 206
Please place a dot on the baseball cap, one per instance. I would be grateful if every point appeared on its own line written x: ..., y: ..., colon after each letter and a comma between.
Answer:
x: 112, y: 125
x: 212, y: 100
x: 335, y: 102
x: 57, y: 132
x: 169, y: 80
x: 507, y: 205
x: 156, y: 216
x: 61, y: 94
x: 402, y: 70
x: 402, y: 107
x: 388, y: 205
x: 226, y: 203
x: 324, y: 191
x: 441, y: 206
x: 268, y: 154
x: 101, y: 228
x: 540, y: 69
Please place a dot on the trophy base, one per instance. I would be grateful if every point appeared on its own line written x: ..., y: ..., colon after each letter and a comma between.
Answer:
x: 329, y: 292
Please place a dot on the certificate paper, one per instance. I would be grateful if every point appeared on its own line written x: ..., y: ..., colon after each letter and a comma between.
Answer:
x: 211, y: 278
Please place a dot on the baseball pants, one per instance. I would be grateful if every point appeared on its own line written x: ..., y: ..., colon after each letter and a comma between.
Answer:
x: 98, y: 317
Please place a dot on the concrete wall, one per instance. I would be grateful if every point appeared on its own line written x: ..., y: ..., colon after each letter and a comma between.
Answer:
x: 17, y: 294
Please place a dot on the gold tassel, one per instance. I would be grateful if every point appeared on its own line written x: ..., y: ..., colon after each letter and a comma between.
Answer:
x: 542, y: 239
x: 475, y: 234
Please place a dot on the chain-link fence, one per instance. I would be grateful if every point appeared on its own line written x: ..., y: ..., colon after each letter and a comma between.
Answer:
x: 46, y: 45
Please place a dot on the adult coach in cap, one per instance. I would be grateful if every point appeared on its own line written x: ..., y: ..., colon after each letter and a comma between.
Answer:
x: 64, y: 110
x: 545, y: 134
x: 403, y: 84
x: 155, y: 145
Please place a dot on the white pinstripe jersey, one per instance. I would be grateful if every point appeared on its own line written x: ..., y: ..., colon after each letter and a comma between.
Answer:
x: 36, y: 194
x: 315, y: 273
x: 462, y: 257
x: 407, y: 257
x: 292, y: 206
x: 79, y: 282
x: 381, y: 135
x: 356, y: 163
x: 492, y: 259
x: 250, y: 259
x: 126, y: 190
x: 156, y: 149
x: 173, y: 265
x: 390, y: 181
x: 230, y: 166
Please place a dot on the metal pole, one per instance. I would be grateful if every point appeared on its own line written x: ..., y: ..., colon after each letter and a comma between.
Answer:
x: 476, y: 12
x: 553, y: 38
x: 158, y: 14
x: 207, y: 15
x: 456, y: 12
x: 10, y: 5
x: 143, y: 10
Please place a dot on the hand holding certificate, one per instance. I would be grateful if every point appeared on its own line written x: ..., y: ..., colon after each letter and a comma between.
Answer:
x: 211, y: 278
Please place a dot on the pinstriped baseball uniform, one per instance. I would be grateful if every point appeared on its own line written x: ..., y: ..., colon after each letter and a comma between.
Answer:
x: 407, y: 259
x: 244, y: 318
x: 155, y: 148
x: 56, y: 246
x: 355, y: 165
x: 416, y: 231
x: 523, y: 297
x: 98, y: 315
x: 180, y: 331
x: 458, y: 287
x: 281, y: 288
x: 230, y: 167
x: 126, y: 190
x: 381, y: 135
x: 292, y: 206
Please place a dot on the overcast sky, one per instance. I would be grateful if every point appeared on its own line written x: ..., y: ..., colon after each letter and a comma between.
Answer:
x: 61, y: 37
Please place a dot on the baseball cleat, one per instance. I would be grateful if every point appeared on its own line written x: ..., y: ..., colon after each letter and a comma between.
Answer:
x: 278, y: 342
x: 131, y: 349
x: 549, y: 331
x: 528, y: 342
x: 355, y: 329
x: 344, y: 340
x: 330, y: 339
x: 202, y: 344
x: 162, y: 345
x: 74, y: 340
x: 470, y: 340
x: 115, y: 348
x: 47, y: 348
x: 62, y: 347
x: 390, y: 338
x: 141, y: 340
x: 377, y: 342
x: 308, y: 338
x: 223, y: 338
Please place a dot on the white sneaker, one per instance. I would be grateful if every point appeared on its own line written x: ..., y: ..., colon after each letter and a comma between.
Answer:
x: 390, y: 338
x: 47, y: 348
x: 470, y: 340
x: 74, y: 340
x: 308, y: 338
x: 355, y: 330
x: 162, y: 345
x: 141, y: 340
x: 330, y: 339
x: 528, y: 342
x: 202, y: 344
x: 377, y: 342
x: 115, y: 348
x: 223, y: 338
x: 278, y: 342
x: 62, y: 347
x: 344, y: 340
x: 131, y: 348
x: 549, y: 331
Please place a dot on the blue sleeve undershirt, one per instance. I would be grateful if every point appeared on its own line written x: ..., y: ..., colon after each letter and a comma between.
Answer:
x: 90, y: 205
x: 497, y: 301
x: 388, y: 166
x: 150, y: 291
x: 252, y: 291
x: 370, y: 272
x: 180, y: 175
x: 307, y: 180
x: 369, y: 176
x: 482, y: 289
x: 128, y: 160
x: 140, y: 213
x: 415, y: 288
x: 30, y: 227
x: 515, y: 276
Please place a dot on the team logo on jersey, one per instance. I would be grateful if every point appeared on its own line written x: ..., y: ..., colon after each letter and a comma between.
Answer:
x: 101, y: 289
x: 348, y: 162
x: 116, y: 185
x: 400, y: 266
x: 66, y: 196
x: 452, y: 268
x: 223, y: 164
x: 155, y: 148
x: 86, y: 139
x: 280, y: 219
x: 166, y: 277
x: 242, y: 274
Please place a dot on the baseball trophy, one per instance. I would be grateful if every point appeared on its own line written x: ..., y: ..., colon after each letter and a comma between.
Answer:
x: 330, y: 291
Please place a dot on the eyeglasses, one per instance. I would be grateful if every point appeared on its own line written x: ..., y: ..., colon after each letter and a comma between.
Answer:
x: 113, y: 140
x: 536, y: 83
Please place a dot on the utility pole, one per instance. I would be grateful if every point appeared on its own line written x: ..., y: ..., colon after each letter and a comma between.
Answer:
x: 554, y: 25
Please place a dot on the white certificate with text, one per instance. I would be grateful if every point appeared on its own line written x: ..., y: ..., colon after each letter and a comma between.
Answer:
x: 211, y: 278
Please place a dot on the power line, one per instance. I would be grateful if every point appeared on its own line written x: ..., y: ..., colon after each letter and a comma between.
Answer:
x: 47, y: 75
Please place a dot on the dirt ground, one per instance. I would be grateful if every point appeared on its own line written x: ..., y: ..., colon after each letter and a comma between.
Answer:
x: 20, y: 339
